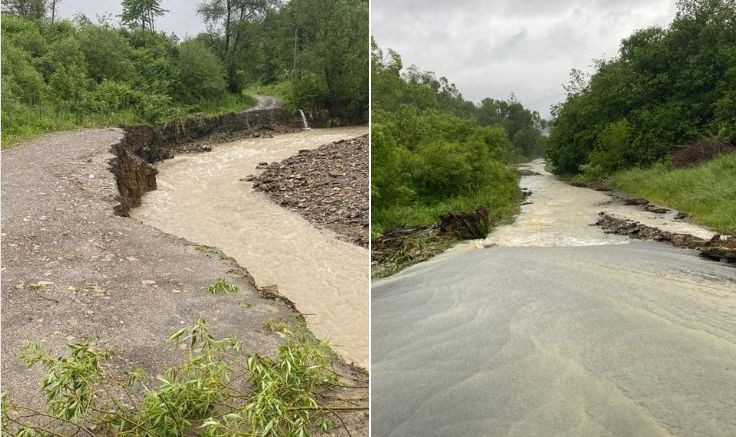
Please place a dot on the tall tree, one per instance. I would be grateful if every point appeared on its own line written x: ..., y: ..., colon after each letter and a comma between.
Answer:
x: 227, y: 22
x: 141, y: 13
x: 34, y: 9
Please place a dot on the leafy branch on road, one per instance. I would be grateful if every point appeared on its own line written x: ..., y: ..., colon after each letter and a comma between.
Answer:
x: 216, y: 391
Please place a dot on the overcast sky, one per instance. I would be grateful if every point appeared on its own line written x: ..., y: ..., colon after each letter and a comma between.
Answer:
x: 182, y: 18
x: 491, y: 48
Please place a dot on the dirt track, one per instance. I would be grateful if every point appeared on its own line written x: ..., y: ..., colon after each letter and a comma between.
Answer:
x: 107, y: 279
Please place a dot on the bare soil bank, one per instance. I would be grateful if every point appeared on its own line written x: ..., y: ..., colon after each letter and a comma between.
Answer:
x: 327, y: 185
x: 143, y: 145
x: 75, y: 269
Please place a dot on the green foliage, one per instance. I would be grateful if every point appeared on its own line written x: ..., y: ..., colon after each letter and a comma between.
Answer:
x: 141, y: 13
x: 33, y: 9
x: 612, y: 148
x: 69, y: 383
x: 68, y: 86
x: 429, y: 156
x: 221, y: 286
x: 201, y: 73
x: 22, y: 84
x: 106, y: 51
x: 76, y: 74
x: 215, y: 391
x: 332, y: 56
x: 668, y: 86
x: 312, y: 53
x: 706, y: 192
x: 319, y: 48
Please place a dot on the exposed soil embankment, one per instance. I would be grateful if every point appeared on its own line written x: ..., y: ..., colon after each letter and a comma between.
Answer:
x: 399, y: 248
x: 144, y: 145
x: 327, y: 185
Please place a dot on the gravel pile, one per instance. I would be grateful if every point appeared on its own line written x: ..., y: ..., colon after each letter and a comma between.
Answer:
x: 327, y: 185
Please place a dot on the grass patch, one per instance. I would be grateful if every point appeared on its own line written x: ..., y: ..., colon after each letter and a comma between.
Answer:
x: 32, y: 285
x: 30, y: 122
x: 220, y: 286
x: 209, y: 250
x: 215, y: 391
x: 706, y: 192
x: 502, y: 203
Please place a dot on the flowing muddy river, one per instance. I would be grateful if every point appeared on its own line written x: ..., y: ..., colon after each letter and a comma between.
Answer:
x: 200, y: 198
x: 561, y: 215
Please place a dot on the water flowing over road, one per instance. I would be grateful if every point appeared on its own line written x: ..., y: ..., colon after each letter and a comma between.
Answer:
x: 551, y: 327
x: 201, y: 198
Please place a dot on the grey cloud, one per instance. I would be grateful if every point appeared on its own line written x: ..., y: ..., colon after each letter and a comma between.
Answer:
x: 528, y: 47
x: 182, y: 18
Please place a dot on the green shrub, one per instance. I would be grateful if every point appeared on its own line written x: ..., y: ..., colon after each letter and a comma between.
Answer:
x: 63, y: 52
x: 21, y: 83
x: 201, y: 74
x: 106, y: 52
x: 68, y: 86
x: 612, y: 149
x: 111, y: 96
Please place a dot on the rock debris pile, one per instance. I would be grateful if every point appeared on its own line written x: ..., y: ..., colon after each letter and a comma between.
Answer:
x: 717, y: 248
x: 327, y: 185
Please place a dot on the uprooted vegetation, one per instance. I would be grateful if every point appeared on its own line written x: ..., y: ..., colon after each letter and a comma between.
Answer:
x: 402, y: 247
x: 218, y: 390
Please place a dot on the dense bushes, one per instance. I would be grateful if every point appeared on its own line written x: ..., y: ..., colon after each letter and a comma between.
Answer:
x: 71, y: 74
x: 427, y: 160
x: 76, y: 74
x: 666, y: 87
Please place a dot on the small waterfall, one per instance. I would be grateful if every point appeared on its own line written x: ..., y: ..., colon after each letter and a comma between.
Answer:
x: 304, y: 120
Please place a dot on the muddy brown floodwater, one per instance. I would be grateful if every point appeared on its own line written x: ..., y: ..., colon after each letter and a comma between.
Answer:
x: 201, y: 198
x: 560, y: 215
x: 556, y: 328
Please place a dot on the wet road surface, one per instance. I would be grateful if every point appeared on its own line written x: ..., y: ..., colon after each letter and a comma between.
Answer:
x: 557, y: 329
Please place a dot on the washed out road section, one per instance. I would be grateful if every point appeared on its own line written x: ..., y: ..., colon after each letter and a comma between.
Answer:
x: 557, y: 329
x: 204, y: 198
x: 74, y: 271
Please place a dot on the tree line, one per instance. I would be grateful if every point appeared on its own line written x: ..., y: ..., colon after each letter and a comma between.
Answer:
x: 435, y: 152
x: 59, y: 74
x: 668, y: 86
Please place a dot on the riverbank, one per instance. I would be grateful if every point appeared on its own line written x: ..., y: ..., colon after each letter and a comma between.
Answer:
x: 75, y: 270
x: 706, y: 193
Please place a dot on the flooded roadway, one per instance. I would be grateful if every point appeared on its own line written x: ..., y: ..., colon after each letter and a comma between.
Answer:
x: 200, y: 198
x: 551, y: 327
